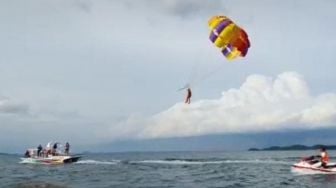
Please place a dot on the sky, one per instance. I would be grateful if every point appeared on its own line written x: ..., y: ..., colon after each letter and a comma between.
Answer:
x: 106, y: 73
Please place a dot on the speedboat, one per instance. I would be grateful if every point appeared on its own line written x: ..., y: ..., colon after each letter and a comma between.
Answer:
x: 309, y: 164
x: 44, y: 157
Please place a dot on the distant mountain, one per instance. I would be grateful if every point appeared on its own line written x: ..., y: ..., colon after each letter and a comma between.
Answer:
x: 294, y: 147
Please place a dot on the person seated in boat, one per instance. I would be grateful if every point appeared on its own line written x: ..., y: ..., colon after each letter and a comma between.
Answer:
x: 67, y: 148
x: 44, y: 153
x: 54, y: 150
x: 48, y: 152
x: 48, y: 149
x: 39, y: 149
x: 27, y: 154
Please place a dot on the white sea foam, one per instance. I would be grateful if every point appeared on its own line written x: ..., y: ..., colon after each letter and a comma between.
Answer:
x: 188, y: 162
x: 176, y: 162
x: 98, y: 162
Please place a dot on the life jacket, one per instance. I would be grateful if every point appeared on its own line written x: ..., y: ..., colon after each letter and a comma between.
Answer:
x: 324, y: 157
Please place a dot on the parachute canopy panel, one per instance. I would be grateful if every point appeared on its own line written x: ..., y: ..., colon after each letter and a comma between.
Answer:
x: 229, y: 37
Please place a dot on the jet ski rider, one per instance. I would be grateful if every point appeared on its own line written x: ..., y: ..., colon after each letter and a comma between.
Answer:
x: 324, y: 158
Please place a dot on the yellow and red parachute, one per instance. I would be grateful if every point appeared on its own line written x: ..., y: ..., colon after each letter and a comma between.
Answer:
x: 228, y: 36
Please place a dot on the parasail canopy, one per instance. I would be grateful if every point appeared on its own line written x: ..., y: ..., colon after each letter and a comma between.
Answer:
x: 229, y: 37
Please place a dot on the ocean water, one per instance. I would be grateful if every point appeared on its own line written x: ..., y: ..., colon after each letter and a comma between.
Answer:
x: 167, y: 169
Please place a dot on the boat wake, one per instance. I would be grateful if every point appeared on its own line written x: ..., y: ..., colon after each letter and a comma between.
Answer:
x: 182, y: 162
x: 204, y: 162
x: 95, y: 162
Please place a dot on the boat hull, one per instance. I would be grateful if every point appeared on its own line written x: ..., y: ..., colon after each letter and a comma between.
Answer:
x: 52, y: 160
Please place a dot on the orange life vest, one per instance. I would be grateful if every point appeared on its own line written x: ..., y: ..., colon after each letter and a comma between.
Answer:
x: 325, y: 157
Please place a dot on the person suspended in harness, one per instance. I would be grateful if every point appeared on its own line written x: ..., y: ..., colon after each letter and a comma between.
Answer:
x: 189, y: 94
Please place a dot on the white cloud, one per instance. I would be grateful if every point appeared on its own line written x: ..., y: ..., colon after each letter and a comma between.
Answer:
x: 322, y: 111
x: 8, y: 106
x: 186, y: 8
x: 189, y: 7
x: 260, y: 104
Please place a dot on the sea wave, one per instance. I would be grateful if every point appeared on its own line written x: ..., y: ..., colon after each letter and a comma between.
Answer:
x: 36, y: 184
